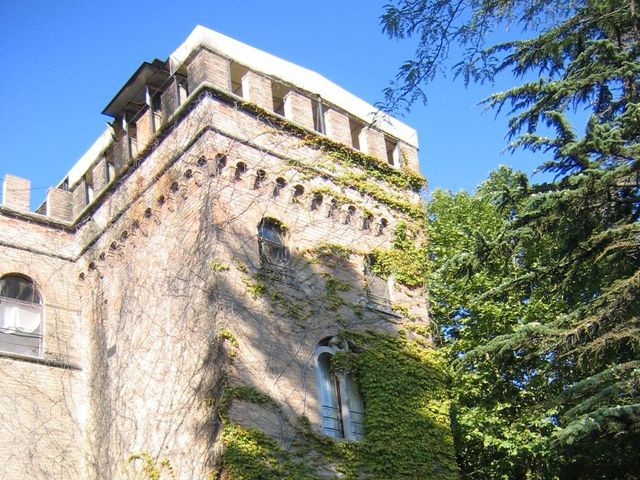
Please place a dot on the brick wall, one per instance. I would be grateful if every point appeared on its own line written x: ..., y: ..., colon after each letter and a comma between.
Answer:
x: 163, y: 263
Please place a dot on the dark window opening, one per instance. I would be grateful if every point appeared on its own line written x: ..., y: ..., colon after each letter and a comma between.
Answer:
x: 241, y: 169
x: 316, y: 201
x: 356, y: 129
x: 333, y: 206
x: 382, y: 225
x: 393, y: 151
x: 366, y: 221
x: 279, y: 186
x: 261, y: 176
x: 349, y: 214
x: 221, y: 162
x: 298, y: 192
x: 271, y: 242
x: 278, y: 92
x: 318, y: 115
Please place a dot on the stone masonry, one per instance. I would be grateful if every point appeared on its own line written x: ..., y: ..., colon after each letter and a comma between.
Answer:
x: 149, y: 249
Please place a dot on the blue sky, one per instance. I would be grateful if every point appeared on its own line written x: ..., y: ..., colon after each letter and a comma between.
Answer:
x: 63, y: 61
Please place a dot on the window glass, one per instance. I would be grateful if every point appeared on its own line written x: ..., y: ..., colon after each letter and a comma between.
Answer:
x: 330, y: 408
x: 20, y: 316
x: 271, y: 241
x: 19, y: 288
x: 340, y: 402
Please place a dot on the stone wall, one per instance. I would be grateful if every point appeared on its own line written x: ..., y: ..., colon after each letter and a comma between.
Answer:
x: 157, y: 299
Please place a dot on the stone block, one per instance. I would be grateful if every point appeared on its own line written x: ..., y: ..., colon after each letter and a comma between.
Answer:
x: 337, y: 125
x: 169, y: 101
x: 209, y: 67
x: 59, y: 204
x: 79, y: 198
x: 409, y: 157
x: 121, y: 152
x: 16, y: 193
x: 100, y: 175
x: 257, y: 89
x: 298, y: 108
x: 372, y: 143
x: 144, y: 129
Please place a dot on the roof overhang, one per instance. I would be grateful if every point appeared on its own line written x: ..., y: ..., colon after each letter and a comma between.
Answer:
x: 133, y: 92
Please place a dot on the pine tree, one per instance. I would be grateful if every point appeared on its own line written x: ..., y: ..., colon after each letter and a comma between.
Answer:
x: 575, y: 241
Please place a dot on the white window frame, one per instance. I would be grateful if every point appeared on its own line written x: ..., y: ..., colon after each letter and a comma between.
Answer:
x: 343, y: 403
x: 22, y: 339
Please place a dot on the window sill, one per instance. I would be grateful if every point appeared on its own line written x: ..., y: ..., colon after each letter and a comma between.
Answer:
x: 381, y: 308
x: 49, y: 362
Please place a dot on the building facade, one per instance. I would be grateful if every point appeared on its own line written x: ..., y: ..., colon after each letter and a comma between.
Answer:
x: 178, y: 305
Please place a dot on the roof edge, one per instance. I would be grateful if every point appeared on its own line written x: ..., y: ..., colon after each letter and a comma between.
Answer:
x: 289, y: 72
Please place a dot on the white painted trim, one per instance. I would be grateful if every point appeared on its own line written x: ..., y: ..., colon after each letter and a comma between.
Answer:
x: 314, y: 83
x: 82, y: 165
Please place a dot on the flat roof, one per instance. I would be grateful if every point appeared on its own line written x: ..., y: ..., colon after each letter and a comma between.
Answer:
x: 256, y: 60
x: 306, y: 79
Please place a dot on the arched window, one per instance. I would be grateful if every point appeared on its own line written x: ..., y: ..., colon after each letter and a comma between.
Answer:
x: 298, y: 192
x: 271, y: 242
x: 279, y: 186
x: 241, y: 169
x: 379, y: 289
x: 316, y: 201
x: 20, y: 316
x: 332, y: 207
x: 261, y: 175
x: 382, y: 225
x: 221, y: 162
x: 341, y: 405
x: 366, y: 221
x: 349, y: 214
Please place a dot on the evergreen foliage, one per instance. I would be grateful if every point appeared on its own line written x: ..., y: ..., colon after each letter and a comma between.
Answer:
x: 536, y: 286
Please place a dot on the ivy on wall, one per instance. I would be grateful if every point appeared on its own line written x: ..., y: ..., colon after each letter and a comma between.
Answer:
x: 407, y: 424
x: 406, y: 260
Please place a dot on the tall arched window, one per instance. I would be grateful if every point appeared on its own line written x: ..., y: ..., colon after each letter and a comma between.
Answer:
x: 20, y: 316
x: 271, y: 242
x: 341, y: 405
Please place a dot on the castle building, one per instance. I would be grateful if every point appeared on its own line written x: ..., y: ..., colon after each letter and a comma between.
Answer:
x: 199, y: 296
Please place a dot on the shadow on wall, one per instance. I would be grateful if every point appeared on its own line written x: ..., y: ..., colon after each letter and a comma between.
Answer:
x: 203, y: 327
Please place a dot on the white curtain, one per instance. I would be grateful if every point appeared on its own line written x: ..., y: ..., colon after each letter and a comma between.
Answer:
x: 16, y: 316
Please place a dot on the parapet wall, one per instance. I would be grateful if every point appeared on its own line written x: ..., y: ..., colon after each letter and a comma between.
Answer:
x: 149, y: 102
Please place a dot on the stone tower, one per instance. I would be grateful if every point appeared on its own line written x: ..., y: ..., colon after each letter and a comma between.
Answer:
x: 211, y: 291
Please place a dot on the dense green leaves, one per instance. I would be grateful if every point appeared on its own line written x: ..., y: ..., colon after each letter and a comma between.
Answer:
x: 536, y: 286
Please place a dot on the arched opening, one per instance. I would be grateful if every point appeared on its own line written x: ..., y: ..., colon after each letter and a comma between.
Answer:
x: 331, y: 209
x: 316, y: 201
x: 382, y: 225
x: 241, y: 169
x: 349, y: 214
x: 221, y: 162
x: 279, y: 186
x: 261, y: 176
x: 20, y: 316
x: 340, y: 401
x: 298, y: 192
x: 271, y: 242
x: 366, y: 221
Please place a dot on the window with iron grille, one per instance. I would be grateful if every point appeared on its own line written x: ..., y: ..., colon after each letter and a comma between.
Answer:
x: 271, y: 243
x: 341, y: 404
